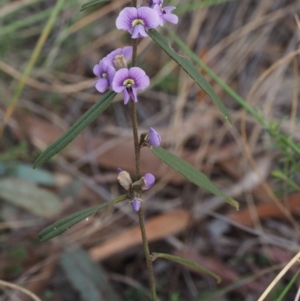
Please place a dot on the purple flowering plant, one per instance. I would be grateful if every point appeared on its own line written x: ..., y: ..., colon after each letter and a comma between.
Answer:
x: 115, y: 75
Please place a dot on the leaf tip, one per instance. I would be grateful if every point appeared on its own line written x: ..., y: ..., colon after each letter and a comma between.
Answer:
x: 233, y: 203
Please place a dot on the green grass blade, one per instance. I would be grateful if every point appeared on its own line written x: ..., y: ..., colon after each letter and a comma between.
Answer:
x: 190, y: 69
x: 187, y: 263
x: 33, y: 59
x: 191, y: 173
x: 64, y: 224
x: 93, y: 3
x: 75, y: 129
x: 288, y: 287
x: 185, y: 7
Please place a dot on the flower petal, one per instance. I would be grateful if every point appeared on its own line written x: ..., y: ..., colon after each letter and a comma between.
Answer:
x: 154, y: 138
x: 127, y: 52
x: 141, y: 80
x: 101, y: 85
x: 136, y: 205
x: 136, y: 32
x: 125, y: 18
x: 139, y: 32
x: 149, y: 16
x: 126, y: 96
x: 149, y: 180
x: 110, y: 74
x: 96, y: 70
x: 168, y: 9
x: 170, y: 18
x: 133, y: 94
x: 119, y: 78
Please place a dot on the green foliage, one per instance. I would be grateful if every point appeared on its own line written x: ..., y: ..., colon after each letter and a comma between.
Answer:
x: 87, y: 118
x: 288, y: 287
x: 64, y: 224
x: 191, y: 173
x: 188, y: 263
x: 190, y: 69
x: 93, y: 3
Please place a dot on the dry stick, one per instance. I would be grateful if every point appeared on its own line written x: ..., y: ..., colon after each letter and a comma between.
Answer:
x: 21, y: 289
x: 138, y: 175
x: 298, y: 295
x: 279, y: 276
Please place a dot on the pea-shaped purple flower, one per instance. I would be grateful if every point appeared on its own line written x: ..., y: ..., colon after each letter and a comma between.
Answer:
x: 136, y: 205
x: 129, y: 81
x: 125, y: 52
x: 149, y: 180
x: 165, y: 14
x: 137, y: 20
x: 154, y: 138
x: 106, y: 74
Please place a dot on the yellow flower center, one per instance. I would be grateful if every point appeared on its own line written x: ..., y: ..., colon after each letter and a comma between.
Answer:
x: 137, y: 22
x: 128, y: 83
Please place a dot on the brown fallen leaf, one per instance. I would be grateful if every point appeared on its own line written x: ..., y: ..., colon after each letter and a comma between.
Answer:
x: 266, y: 210
x: 156, y: 228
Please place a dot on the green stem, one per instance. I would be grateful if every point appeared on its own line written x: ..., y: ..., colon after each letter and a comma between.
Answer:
x: 137, y: 150
x: 147, y: 255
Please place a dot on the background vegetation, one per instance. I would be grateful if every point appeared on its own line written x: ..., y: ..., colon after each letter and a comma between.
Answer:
x: 47, y: 53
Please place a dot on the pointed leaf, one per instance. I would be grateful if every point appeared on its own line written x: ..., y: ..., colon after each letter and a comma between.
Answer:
x: 190, y: 69
x: 64, y: 224
x: 191, y: 173
x: 187, y: 263
x: 87, y: 118
x: 93, y: 3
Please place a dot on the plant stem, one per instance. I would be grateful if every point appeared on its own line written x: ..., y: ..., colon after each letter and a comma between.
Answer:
x: 147, y: 255
x: 136, y: 139
x: 137, y: 150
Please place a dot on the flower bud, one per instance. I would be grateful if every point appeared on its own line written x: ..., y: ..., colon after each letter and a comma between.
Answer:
x: 136, y: 205
x: 153, y: 138
x: 120, y: 62
x: 149, y: 180
x: 124, y: 179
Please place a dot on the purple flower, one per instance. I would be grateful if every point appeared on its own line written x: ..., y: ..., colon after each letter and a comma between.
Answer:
x: 153, y: 2
x: 126, y: 52
x: 154, y: 138
x: 165, y: 14
x: 128, y: 81
x: 137, y: 20
x: 106, y: 74
x: 136, y: 205
x: 149, y: 180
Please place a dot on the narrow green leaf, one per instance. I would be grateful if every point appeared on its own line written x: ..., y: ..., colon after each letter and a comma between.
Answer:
x: 288, y: 286
x: 191, y: 173
x: 187, y: 263
x: 87, y: 118
x: 93, y: 3
x: 64, y: 224
x: 190, y: 69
